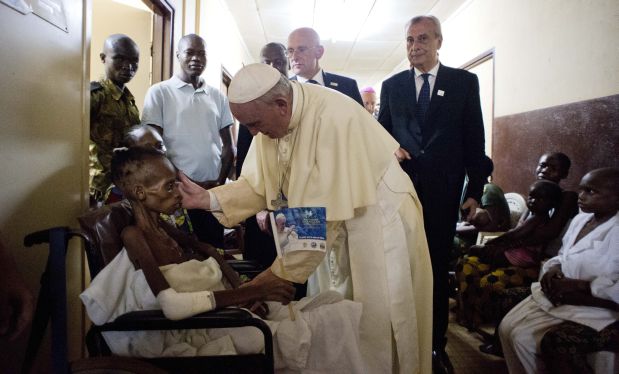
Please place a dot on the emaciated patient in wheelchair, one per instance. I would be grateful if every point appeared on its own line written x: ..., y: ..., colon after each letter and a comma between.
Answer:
x: 157, y: 271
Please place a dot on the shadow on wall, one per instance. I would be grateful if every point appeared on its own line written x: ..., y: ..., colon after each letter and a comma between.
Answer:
x: 586, y: 131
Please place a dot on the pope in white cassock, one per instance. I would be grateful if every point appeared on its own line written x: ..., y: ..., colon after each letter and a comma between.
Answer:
x: 315, y: 147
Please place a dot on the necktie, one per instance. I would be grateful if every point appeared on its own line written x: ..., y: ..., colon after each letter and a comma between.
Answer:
x: 313, y: 82
x: 423, y: 102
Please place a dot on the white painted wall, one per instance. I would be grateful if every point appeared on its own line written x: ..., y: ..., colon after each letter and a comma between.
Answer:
x: 548, y: 52
x: 224, y: 45
x: 485, y: 74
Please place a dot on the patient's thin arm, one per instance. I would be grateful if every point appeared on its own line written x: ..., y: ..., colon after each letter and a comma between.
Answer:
x: 140, y: 254
x: 265, y: 286
x: 226, y: 269
x: 207, y: 250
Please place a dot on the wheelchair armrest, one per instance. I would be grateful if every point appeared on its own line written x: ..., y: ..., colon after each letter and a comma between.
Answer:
x: 156, y: 320
x: 37, y: 237
x: 43, y: 236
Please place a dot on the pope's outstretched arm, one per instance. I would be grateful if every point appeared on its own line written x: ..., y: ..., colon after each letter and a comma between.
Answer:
x: 230, y: 203
x: 194, y: 196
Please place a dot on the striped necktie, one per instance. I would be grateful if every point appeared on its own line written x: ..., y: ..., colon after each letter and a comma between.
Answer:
x: 423, y: 101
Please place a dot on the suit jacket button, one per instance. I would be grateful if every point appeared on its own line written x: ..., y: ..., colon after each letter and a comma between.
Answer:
x: 422, y: 151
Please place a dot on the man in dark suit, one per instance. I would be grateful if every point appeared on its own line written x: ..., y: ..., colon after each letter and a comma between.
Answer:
x: 304, y: 51
x: 434, y: 112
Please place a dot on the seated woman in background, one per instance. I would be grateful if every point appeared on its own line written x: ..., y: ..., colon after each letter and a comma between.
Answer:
x: 574, y: 309
x: 511, y: 259
x: 492, y: 215
x: 160, y: 269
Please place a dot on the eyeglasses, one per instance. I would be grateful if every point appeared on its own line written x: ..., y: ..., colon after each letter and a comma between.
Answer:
x: 301, y: 50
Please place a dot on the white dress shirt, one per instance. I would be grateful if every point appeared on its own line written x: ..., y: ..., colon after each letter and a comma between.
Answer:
x: 318, y: 78
x: 431, y: 79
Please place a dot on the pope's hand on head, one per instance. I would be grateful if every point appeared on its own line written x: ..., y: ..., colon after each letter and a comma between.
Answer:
x: 194, y: 196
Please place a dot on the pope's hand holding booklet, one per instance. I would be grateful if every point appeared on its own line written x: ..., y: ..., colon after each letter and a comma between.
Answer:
x: 300, y: 236
x: 300, y: 240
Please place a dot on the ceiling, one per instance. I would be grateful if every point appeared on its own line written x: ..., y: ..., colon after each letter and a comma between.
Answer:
x: 363, y: 39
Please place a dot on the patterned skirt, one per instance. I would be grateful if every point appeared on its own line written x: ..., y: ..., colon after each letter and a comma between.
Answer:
x: 486, y: 294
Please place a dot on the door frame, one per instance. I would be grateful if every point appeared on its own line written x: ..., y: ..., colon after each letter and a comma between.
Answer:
x: 473, y: 63
x: 163, y: 39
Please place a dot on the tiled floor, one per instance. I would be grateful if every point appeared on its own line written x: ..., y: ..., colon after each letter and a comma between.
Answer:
x: 462, y: 348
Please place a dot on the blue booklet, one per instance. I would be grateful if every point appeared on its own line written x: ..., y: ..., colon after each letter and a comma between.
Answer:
x: 296, y: 229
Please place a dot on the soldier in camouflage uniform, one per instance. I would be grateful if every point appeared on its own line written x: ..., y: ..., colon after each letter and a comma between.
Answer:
x: 112, y: 110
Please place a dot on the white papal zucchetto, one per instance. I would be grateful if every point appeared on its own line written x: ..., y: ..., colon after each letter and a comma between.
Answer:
x: 251, y: 82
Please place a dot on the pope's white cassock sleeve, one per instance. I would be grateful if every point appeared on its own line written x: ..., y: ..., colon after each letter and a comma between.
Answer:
x: 377, y: 253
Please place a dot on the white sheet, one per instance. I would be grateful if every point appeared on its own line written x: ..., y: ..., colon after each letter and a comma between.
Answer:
x: 324, y: 338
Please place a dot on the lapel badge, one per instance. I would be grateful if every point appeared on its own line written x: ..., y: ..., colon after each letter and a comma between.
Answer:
x: 440, y: 93
x: 334, y: 84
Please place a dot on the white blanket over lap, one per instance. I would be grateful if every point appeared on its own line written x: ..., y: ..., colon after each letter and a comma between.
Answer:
x: 323, y: 338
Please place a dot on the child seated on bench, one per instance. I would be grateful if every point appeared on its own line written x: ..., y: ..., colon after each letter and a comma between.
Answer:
x: 508, y: 260
x: 554, y: 167
x: 574, y: 309
x: 157, y: 269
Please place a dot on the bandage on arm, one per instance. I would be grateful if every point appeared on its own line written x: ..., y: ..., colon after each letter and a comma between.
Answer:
x: 180, y: 305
